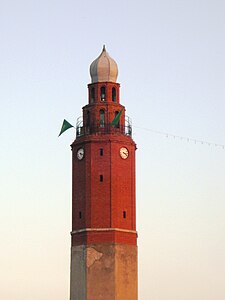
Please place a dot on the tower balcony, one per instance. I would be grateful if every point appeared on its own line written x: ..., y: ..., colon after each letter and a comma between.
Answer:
x: 105, y: 128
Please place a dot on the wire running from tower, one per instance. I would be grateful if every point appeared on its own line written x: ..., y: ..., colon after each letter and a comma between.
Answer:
x: 183, y: 138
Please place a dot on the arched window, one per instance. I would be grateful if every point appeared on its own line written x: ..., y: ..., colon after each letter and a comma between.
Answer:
x: 113, y: 94
x: 92, y: 95
x: 102, y: 118
x: 118, y: 124
x: 103, y: 95
x: 88, y: 119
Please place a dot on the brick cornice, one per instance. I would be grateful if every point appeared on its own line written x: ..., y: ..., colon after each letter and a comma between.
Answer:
x: 102, y: 229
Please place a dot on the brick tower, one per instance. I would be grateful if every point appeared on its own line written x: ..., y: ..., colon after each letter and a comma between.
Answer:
x: 104, y: 237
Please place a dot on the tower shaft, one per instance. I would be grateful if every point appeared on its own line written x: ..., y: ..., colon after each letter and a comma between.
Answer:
x: 103, y: 237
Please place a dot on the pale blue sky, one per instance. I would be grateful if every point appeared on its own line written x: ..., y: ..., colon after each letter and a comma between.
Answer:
x: 171, y: 63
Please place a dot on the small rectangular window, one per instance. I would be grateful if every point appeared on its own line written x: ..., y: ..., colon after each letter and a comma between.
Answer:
x: 124, y: 214
x: 101, y: 152
x: 80, y: 214
x: 101, y: 178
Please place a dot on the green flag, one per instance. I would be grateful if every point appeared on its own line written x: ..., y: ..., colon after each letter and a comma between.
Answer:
x: 66, y: 125
x: 116, y: 120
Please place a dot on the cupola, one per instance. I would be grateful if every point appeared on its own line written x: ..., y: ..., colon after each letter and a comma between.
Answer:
x: 103, y: 68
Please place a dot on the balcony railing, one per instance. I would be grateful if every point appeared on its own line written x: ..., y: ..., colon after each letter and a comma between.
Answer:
x: 105, y: 128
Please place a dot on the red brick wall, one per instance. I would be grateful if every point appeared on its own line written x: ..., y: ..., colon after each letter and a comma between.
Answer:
x: 102, y: 203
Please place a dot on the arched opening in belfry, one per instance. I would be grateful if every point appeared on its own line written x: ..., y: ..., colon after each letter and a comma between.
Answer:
x: 113, y: 94
x: 102, y: 118
x: 103, y: 94
x: 92, y: 95
x: 118, y: 123
x: 88, y: 119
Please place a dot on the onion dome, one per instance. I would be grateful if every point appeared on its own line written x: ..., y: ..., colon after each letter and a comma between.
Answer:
x: 103, y: 68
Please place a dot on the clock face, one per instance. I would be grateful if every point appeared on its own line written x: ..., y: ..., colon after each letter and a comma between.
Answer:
x: 80, y: 153
x: 124, y: 153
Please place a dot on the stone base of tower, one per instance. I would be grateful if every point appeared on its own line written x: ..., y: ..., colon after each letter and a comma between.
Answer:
x: 103, y: 272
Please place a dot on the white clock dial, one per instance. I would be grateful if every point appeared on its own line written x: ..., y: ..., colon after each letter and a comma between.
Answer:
x: 80, y: 153
x: 124, y: 153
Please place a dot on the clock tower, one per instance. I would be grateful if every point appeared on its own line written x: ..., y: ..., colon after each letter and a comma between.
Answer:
x: 103, y: 237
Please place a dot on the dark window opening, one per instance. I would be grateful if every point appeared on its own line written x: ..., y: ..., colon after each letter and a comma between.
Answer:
x: 101, y: 152
x: 124, y: 214
x: 103, y: 96
x: 101, y: 178
x: 92, y: 95
x: 80, y: 214
x: 113, y: 94
x: 102, y: 118
x: 118, y: 124
x: 88, y: 119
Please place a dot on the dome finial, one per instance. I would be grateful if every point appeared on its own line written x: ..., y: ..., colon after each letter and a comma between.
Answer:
x: 103, y: 68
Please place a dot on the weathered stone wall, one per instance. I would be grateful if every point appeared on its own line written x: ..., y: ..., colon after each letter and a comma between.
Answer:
x: 78, y: 273
x: 104, y: 272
